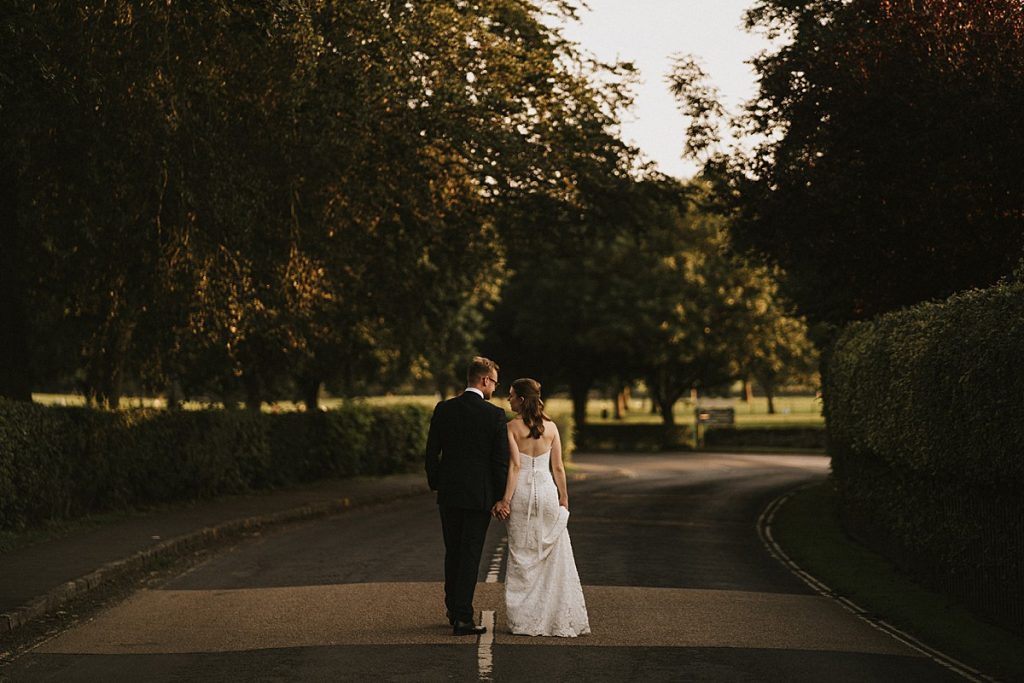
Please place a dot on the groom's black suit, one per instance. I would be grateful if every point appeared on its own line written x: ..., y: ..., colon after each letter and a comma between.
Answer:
x: 467, y: 464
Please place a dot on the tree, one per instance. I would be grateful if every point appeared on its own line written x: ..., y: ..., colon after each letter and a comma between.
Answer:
x: 19, y: 74
x: 689, y: 331
x: 777, y: 349
x: 247, y: 201
x: 887, y: 165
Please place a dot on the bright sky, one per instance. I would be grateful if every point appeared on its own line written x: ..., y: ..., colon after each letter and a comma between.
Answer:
x: 648, y: 33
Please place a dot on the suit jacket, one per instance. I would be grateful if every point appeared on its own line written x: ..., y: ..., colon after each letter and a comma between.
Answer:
x: 467, y: 452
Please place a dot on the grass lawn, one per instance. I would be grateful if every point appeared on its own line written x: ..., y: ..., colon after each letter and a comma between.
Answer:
x: 808, y: 529
x: 791, y: 411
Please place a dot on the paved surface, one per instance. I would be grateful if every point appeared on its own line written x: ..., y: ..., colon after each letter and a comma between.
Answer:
x: 37, y: 579
x: 677, y: 583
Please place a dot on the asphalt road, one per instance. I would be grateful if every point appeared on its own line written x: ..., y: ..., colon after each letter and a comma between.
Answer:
x: 677, y: 582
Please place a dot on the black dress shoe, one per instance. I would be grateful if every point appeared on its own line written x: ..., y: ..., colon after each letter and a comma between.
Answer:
x: 451, y: 619
x: 467, y: 628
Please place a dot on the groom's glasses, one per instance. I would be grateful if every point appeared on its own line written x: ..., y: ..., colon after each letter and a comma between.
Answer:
x: 494, y: 381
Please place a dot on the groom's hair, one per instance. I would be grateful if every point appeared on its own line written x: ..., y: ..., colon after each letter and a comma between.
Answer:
x: 479, y: 368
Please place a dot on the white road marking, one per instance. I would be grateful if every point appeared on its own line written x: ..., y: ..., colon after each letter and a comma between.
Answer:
x: 238, y: 620
x: 495, y: 568
x: 484, y: 656
x: 764, y: 530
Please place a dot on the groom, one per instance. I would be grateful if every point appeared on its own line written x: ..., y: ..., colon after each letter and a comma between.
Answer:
x: 467, y: 463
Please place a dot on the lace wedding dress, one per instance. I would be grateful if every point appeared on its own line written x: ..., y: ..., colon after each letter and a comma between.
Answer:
x: 543, y: 596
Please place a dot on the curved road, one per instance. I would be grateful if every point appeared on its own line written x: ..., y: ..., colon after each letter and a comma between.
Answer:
x: 677, y: 582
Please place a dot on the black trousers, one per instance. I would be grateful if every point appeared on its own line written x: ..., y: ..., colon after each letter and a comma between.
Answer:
x: 464, y: 533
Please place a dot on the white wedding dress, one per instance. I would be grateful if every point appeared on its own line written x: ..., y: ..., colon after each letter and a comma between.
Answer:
x: 543, y: 595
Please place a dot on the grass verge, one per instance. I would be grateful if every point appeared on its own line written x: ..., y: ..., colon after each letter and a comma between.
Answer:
x: 808, y: 529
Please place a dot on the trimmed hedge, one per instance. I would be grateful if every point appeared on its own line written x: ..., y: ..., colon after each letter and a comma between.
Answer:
x: 765, y: 437
x: 61, y: 463
x: 925, y: 414
x: 633, y: 437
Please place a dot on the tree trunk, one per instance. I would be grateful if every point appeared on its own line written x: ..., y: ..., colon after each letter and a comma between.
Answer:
x: 667, y: 405
x: 310, y: 387
x: 111, y: 364
x: 621, y: 400
x: 173, y: 395
x: 442, y: 389
x: 110, y: 392
x: 15, y: 373
x: 100, y: 387
x: 771, y: 399
x: 579, y: 391
x: 253, y: 394
x: 663, y: 399
x: 748, y: 391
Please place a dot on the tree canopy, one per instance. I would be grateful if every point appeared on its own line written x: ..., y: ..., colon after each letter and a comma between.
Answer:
x: 888, y: 145
x: 251, y: 202
x: 237, y: 199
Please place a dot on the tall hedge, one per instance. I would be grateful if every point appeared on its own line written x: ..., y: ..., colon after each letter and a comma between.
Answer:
x: 925, y: 415
x: 60, y: 463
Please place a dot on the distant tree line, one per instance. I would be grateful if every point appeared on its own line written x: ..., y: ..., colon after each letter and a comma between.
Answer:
x: 665, y: 302
x: 255, y: 201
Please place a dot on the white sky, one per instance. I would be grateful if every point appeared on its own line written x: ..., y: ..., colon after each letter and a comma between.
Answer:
x: 648, y: 33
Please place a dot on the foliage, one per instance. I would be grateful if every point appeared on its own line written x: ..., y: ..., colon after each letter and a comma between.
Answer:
x: 925, y: 426
x: 620, y: 437
x: 653, y: 294
x: 885, y: 167
x: 782, y: 437
x: 777, y: 349
x: 705, y: 316
x: 240, y: 202
x: 61, y: 463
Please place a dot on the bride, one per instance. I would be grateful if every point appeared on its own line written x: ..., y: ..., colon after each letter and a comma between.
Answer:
x: 543, y: 596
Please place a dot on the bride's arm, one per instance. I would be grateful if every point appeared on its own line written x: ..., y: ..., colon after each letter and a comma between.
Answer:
x: 513, y: 469
x: 558, y: 469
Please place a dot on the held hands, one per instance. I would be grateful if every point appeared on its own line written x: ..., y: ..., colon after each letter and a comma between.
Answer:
x: 502, y: 509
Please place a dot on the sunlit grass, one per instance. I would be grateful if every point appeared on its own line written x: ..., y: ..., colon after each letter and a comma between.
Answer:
x: 791, y: 411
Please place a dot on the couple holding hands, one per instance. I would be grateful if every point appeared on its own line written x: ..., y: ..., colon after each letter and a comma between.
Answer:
x: 483, y: 465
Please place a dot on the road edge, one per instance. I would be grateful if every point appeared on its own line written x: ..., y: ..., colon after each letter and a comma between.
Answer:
x: 764, y: 531
x: 202, y: 539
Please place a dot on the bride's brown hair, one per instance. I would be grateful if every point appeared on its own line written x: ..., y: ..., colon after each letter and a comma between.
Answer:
x: 532, y: 412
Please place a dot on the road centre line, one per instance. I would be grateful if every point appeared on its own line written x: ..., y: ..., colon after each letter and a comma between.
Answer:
x: 495, y: 567
x: 484, y: 655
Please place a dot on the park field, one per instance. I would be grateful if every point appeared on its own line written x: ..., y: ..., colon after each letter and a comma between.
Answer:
x: 791, y: 411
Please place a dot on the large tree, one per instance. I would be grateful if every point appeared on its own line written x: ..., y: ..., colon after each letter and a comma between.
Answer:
x: 888, y: 160
x: 239, y: 201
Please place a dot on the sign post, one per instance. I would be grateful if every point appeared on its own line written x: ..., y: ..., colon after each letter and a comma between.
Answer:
x: 711, y: 416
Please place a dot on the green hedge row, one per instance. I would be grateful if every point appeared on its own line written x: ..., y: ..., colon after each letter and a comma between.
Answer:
x: 925, y: 414
x: 61, y: 463
x: 627, y: 437
x: 765, y: 437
